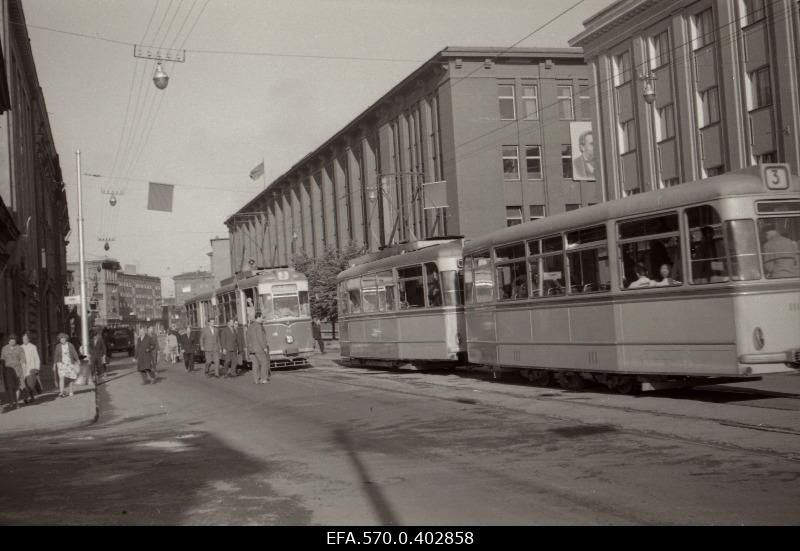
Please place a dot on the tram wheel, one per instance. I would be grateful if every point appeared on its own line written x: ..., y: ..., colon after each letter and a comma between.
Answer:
x: 627, y: 385
x: 569, y: 380
x: 540, y: 377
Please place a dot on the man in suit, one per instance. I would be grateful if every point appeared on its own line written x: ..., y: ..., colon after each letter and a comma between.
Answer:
x: 259, y: 350
x: 144, y: 357
x: 230, y: 348
x: 241, y: 346
x: 97, y: 354
x: 583, y: 165
x: 187, y: 349
x: 209, y: 344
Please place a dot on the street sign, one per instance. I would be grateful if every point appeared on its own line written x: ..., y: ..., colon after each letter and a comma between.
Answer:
x: 72, y: 300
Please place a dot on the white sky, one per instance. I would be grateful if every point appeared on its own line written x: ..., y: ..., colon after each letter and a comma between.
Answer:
x: 221, y: 114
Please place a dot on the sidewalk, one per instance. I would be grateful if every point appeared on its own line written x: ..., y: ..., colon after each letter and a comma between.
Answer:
x: 51, y: 413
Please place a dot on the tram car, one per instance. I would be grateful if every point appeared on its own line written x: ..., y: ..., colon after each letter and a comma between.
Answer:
x: 404, y: 304
x: 280, y: 294
x: 199, y: 309
x: 670, y: 287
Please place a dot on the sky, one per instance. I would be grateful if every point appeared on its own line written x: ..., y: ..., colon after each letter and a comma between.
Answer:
x: 229, y: 105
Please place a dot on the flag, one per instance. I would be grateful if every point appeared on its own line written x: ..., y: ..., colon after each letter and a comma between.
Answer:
x: 257, y: 172
x: 160, y: 197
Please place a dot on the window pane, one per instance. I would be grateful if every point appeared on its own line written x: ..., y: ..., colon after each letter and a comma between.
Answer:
x: 779, y: 246
x: 386, y: 291
x: 588, y: 271
x: 708, y: 264
x: 552, y: 283
x: 566, y: 161
x: 510, y: 162
x: 505, y: 98
x: 565, y: 110
x: 533, y: 157
x: 509, y: 252
x: 434, y: 289
x: 585, y: 236
x: 742, y: 250
x: 410, y: 287
x: 266, y: 306
x: 667, y: 223
x: 468, y: 278
x: 484, y: 285
x: 512, y: 282
x: 287, y: 307
x: 651, y: 263
x: 530, y: 102
x: 354, y: 295
x: 536, y: 211
x: 452, y: 284
x: 369, y: 294
x: 552, y: 244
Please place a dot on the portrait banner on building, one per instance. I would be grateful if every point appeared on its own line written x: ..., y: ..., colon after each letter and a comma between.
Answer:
x: 159, y: 197
x: 582, y: 140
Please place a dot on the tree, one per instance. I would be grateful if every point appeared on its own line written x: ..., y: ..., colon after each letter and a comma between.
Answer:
x: 321, y: 273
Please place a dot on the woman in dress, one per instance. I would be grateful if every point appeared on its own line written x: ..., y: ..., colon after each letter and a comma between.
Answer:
x: 32, y: 365
x: 13, y: 373
x: 67, y: 364
x: 172, y: 347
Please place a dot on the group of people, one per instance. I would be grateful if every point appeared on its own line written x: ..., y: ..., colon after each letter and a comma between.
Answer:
x: 230, y: 346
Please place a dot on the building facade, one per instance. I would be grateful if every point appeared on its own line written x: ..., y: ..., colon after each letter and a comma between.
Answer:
x: 140, y: 301
x: 220, y: 256
x: 473, y: 140
x: 34, y: 221
x: 689, y: 89
x: 102, y: 290
x: 190, y: 284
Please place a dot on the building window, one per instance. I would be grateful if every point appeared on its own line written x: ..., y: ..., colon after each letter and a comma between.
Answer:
x: 771, y: 157
x: 627, y: 136
x: 665, y: 123
x: 536, y: 212
x: 513, y: 216
x: 585, y: 101
x: 530, y: 101
x: 714, y: 171
x: 533, y: 161
x: 660, y: 45
x: 572, y: 206
x: 505, y: 99
x: 622, y: 68
x: 760, y: 88
x: 510, y: 162
x: 703, y: 29
x: 566, y: 161
x: 752, y: 11
x: 709, y: 107
x: 566, y: 111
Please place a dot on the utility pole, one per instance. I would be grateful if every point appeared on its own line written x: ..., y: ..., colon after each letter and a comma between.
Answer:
x: 82, y: 260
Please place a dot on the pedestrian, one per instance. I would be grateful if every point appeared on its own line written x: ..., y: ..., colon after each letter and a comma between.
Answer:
x: 32, y: 365
x: 97, y: 354
x: 251, y: 310
x: 209, y: 345
x: 258, y: 347
x: 187, y: 349
x: 172, y: 348
x: 67, y: 363
x: 241, y: 346
x: 151, y: 332
x: 316, y: 331
x: 13, y: 358
x: 144, y: 357
x: 228, y: 344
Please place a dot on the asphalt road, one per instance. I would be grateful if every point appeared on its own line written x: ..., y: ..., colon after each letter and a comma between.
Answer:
x: 334, y: 445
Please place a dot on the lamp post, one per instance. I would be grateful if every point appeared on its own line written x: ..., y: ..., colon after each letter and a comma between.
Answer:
x: 649, y: 86
x: 82, y: 261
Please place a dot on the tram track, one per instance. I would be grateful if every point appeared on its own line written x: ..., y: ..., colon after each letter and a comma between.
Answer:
x: 348, y: 380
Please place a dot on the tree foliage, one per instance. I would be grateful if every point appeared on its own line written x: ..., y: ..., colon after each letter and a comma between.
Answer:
x: 321, y: 273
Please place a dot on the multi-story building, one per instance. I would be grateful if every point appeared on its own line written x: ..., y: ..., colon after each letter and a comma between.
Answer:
x: 492, y: 132
x: 220, y: 256
x: 140, y: 301
x: 34, y: 222
x: 103, y: 293
x: 692, y: 88
x: 190, y: 284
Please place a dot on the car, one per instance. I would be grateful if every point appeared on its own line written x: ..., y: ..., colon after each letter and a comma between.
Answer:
x: 119, y: 339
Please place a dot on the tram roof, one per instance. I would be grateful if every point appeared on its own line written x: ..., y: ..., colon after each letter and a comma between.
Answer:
x: 731, y: 184
x: 402, y: 256
x: 253, y: 278
x: 199, y: 297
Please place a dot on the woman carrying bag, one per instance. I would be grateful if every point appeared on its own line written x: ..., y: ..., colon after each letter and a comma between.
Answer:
x: 67, y: 364
x: 32, y: 365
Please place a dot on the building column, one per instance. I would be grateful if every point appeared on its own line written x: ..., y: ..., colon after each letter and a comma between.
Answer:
x: 288, y: 225
x: 732, y: 96
x: 343, y: 196
x: 370, y: 182
x: 329, y: 198
x: 786, y: 50
x: 271, y: 249
x: 308, y: 216
x: 357, y: 197
x: 319, y: 214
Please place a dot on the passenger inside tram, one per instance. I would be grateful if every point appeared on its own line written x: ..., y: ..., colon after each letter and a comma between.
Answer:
x: 665, y: 271
x: 642, y: 278
x: 779, y: 253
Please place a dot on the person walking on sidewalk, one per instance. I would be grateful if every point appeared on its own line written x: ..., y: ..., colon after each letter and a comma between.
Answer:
x: 209, y: 344
x: 187, y: 349
x: 259, y: 350
x: 229, y: 345
x: 32, y: 365
x: 144, y: 357
x: 13, y: 357
x: 172, y: 347
x: 67, y: 364
x: 151, y: 332
x: 97, y: 354
x: 316, y: 332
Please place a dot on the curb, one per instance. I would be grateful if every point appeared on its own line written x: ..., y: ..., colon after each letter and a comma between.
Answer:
x: 57, y: 427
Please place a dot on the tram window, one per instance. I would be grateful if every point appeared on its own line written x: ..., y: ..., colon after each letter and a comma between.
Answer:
x: 369, y: 293
x: 410, y: 287
x: 484, y: 284
x: 552, y: 244
x: 742, y: 250
x: 650, y: 252
x: 585, y: 236
x: 287, y: 306
x: 434, y: 288
x: 386, y: 291
x: 779, y: 246
x: 468, y: 286
x: 510, y: 272
x: 708, y: 262
x: 354, y: 295
x: 304, y: 307
x: 452, y: 284
x: 552, y: 279
x: 342, y: 298
x: 588, y: 271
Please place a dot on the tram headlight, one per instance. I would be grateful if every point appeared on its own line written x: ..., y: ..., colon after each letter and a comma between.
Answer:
x: 289, y: 339
x: 758, y: 338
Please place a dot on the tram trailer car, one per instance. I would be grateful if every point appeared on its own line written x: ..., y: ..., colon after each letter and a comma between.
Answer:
x: 404, y: 304
x: 688, y: 285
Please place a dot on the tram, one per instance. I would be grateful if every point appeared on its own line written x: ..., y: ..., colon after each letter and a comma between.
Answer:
x: 669, y: 287
x: 404, y: 304
x: 280, y: 294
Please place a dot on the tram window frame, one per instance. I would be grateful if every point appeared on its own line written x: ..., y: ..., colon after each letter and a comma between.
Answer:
x: 788, y: 229
x: 387, y: 287
x: 405, y: 276
x: 369, y: 286
x: 267, y: 308
x: 647, y: 243
x: 353, y: 286
x: 433, y: 286
x: 482, y: 262
x: 708, y: 277
x: 587, y: 253
x: 549, y: 258
x: 342, y: 301
x: 468, y: 280
x: 742, y: 249
x: 507, y: 262
x: 452, y: 287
